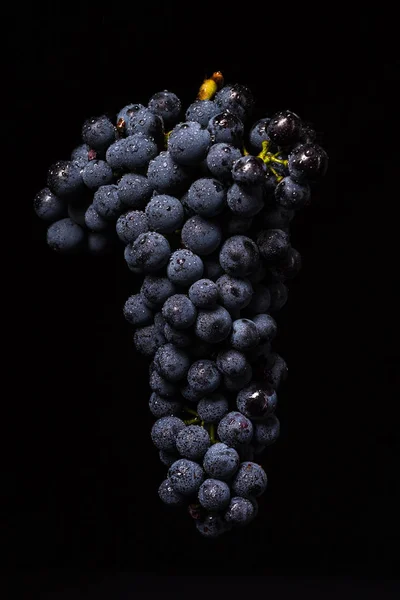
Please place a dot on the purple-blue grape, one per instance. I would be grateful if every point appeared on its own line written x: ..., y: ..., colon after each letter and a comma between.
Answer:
x: 257, y: 401
x: 136, y: 312
x: 287, y: 268
x: 150, y: 251
x: 212, y: 525
x: 207, y: 197
x: 267, y: 433
x: 201, y: 236
x: 240, y: 511
x: 107, y: 203
x: 203, y: 376
x: 249, y: 170
x: 231, y: 362
x: 214, y: 494
x: 213, y: 325
x: 166, y: 176
x: 188, y: 143
x: 97, y: 173
x: 308, y: 162
x: 94, y: 221
x: 239, y: 256
x: 145, y: 122
x: 237, y: 99
x: 220, y: 160
x: 202, y: 111
x: 225, y: 127
x: 164, y: 213
x: 163, y: 407
x: 193, y: 442
x: 184, y: 267
x: 157, y: 289
x: 212, y: 408
x: 221, y: 461
x: 134, y: 190
x: 164, y: 432
x: 166, y: 105
x: 266, y: 326
x: 171, y: 362
x: 80, y: 155
x: 250, y: 480
x: 137, y: 151
x: 234, y: 383
x: 234, y: 429
x: 291, y: 194
x: 66, y: 237
x: 169, y: 496
x: 284, y: 128
x: 130, y: 225
x: 148, y: 340
x: 203, y: 293
x: 48, y: 206
x: 64, y: 179
x: 244, y: 334
x: 158, y: 384
x: 186, y: 476
x: 179, y: 311
x: 245, y: 201
x: 234, y: 292
x: 99, y: 133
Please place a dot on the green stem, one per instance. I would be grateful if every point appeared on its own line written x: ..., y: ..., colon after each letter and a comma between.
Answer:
x: 195, y: 421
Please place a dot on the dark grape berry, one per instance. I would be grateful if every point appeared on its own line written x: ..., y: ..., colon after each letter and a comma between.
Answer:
x: 257, y: 401
x: 308, y: 162
x: 284, y: 128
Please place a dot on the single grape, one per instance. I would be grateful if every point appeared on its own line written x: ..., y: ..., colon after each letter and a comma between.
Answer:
x: 193, y: 442
x: 99, y: 133
x: 240, y: 511
x: 234, y: 429
x: 157, y: 288
x: 163, y: 407
x: 234, y: 292
x: 136, y: 312
x: 186, y: 476
x: 202, y: 111
x: 244, y: 335
x: 291, y: 194
x: 171, y: 362
x: 184, y: 267
x: 201, y: 236
x: 308, y: 162
x: 147, y: 341
x: 169, y: 496
x: 214, y: 494
x: 107, y: 203
x: 250, y: 480
x: 203, y: 376
x: 257, y: 401
x: 188, y: 143
x: 239, y: 256
x: 268, y: 432
x: 167, y: 105
x: 203, y: 293
x: 284, y: 128
x: 179, y: 311
x: 225, y: 127
x: 66, y: 237
x: 134, y: 190
x: 164, y: 432
x: 48, y: 206
x: 221, y: 461
x: 212, y: 408
x: 164, y: 213
x: 130, y: 225
x: 207, y: 196
x: 97, y: 173
x: 213, y: 325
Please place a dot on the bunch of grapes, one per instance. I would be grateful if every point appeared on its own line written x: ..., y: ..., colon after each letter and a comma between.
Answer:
x: 201, y: 208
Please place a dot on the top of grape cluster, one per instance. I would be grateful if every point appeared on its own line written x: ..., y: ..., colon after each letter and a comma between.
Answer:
x: 215, y: 162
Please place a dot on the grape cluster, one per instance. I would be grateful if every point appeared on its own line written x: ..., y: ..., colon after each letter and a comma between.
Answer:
x: 201, y: 205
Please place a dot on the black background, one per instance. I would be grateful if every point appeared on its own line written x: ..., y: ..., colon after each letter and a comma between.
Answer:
x: 86, y: 498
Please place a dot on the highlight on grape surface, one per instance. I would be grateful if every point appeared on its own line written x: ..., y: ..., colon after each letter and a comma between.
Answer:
x: 199, y: 204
